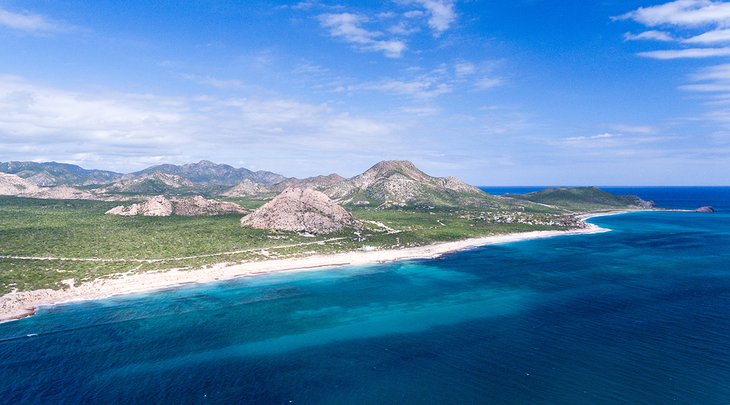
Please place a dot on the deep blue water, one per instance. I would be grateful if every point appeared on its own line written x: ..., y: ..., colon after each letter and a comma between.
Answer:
x: 637, y: 315
x: 665, y: 197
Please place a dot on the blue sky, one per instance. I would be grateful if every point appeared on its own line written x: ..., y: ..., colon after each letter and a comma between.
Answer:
x: 497, y: 92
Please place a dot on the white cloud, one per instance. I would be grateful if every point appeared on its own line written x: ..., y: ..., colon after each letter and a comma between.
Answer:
x: 464, y: 69
x: 422, y: 87
x: 127, y: 129
x: 685, y: 17
x: 403, y: 28
x: 635, y: 129
x: 487, y: 83
x: 682, y: 13
x: 599, y: 140
x: 414, y: 14
x: 710, y: 79
x: 649, y: 36
x: 717, y: 72
x: 441, y: 14
x: 711, y: 37
x: 31, y: 23
x: 348, y: 27
x: 222, y: 84
x: 690, y: 53
x: 419, y: 85
x: 609, y: 140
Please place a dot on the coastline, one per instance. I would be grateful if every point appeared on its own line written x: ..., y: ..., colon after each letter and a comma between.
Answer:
x: 18, y: 305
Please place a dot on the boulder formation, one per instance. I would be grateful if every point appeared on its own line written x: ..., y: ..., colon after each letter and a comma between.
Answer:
x: 160, y: 206
x: 157, y: 206
x: 301, y: 210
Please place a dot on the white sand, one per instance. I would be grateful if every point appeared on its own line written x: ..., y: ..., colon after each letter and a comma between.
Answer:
x: 17, y: 305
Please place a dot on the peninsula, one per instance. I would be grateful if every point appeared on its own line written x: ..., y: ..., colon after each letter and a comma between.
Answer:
x: 205, y: 222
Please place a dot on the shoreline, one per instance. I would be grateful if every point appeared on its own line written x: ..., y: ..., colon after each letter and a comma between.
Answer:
x: 18, y: 305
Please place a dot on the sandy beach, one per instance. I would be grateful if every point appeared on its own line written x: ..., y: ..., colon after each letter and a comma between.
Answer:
x: 17, y: 305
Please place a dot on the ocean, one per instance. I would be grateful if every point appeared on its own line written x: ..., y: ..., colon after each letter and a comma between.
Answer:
x: 637, y: 315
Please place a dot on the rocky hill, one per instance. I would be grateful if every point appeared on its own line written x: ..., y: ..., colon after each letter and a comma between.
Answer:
x: 401, y: 183
x: 248, y: 188
x: 301, y: 210
x: 14, y: 185
x: 154, y: 183
x: 318, y: 183
x: 64, y: 192
x: 160, y: 206
x: 583, y: 198
x: 205, y: 172
x: 52, y: 174
x: 11, y: 184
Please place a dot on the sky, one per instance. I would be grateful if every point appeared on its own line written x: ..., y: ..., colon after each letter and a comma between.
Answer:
x: 520, y: 92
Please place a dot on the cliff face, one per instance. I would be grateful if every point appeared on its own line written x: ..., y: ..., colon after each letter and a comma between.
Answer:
x: 301, y: 210
x: 160, y: 206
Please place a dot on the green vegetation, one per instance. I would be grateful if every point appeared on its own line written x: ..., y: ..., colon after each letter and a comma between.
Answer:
x: 582, y: 199
x: 73, y: 229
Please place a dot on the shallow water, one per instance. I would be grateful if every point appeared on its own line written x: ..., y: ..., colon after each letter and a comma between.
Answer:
x: 637, y: 315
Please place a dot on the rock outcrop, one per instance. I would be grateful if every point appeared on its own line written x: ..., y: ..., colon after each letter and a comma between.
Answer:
x: 318, y: 183
x: 154, y: 183
x: 11, y: 184
x: 157, y: 206
x: 160, y: 206
x: 206, y: 172
x: 14, y: 185
x: 705, y: 209
x: 301, y: 210
x: 248, y: 188
x: 64, y: 193
x: 199, y: 206
x: 50, y: 174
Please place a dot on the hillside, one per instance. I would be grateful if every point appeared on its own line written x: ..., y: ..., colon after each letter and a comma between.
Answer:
x: 52, y: 174
x: 315, y: 183
x: 154, y: 183
x: 248, y: 188
x: 205, y: 172
x: 399, y: 183
x: 11, y: 184
x: 161, y: 206
x: 582, y: 198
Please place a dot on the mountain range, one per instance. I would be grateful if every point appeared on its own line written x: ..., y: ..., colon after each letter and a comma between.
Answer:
x: 202, y: 174
x: 387, y: 184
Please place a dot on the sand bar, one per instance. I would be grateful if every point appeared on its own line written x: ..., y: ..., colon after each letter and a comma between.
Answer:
x: 17, y: 305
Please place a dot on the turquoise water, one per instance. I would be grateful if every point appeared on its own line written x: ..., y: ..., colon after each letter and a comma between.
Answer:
x: 637, y: 315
